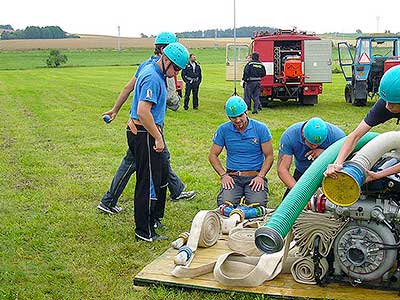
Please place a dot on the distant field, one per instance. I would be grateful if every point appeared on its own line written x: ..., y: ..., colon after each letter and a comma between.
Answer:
x: 30, y: 59
x: 108, y: 42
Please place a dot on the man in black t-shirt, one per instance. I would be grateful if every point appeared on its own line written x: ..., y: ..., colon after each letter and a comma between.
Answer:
x: 386, y: 108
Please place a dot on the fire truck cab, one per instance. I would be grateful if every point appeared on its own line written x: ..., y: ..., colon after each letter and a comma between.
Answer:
x: 296, y: 63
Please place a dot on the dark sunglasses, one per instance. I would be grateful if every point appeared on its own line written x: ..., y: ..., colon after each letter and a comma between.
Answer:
x: 176, y: 68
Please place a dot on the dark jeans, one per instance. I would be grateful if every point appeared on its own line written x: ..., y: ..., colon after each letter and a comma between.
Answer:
x: 149, y: 164
x: 242, y: 188
x: 296, y: 175
x: 252, y: 91
x: 191, y: 87
x: 126, y: 170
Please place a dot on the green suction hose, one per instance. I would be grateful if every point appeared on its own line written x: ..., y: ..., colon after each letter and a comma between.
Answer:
x: 269, y: 238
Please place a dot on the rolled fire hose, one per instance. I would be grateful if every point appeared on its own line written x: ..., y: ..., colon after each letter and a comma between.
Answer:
x: 242, y: 240
x: 303, y: 269
x: 309, y: 225
x: 181, y: 240
x: 270, y: 237
x: 204, y: 232
x: 237, y: 269
x: 346, y: 189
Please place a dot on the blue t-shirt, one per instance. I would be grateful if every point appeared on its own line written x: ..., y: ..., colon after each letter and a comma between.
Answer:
x: 150, y: 86
x: 379, y: 114
x: 243, y: 150
x: 292, y: 143
x: 145, y: 63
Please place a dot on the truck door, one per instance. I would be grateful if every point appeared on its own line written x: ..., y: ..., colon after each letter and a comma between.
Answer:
x: 242, y: 50
x: 345, y: 60
x: 317, y: 61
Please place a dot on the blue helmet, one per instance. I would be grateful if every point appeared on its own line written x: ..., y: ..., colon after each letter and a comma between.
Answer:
x: 315, y: 131
x: 235, y: 106
x: 389, y: 88
x: 178, y: 54
x: 165, y: 38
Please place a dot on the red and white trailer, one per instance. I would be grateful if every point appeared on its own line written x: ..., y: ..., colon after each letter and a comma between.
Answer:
x: 297, y: 63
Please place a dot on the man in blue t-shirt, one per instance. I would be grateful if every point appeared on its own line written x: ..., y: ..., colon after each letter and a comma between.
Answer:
x: 304, y: 141
x: 127, y: 167
x: 147, y: 113
x: 249, y: 156
x: 386, y: 108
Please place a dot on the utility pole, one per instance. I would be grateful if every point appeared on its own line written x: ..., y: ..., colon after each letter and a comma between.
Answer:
x: 377, y: 23
x: 119, y: 38
x: 215, y: 39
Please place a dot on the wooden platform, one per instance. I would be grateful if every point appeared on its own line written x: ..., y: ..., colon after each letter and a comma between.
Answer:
x: 158, y: 273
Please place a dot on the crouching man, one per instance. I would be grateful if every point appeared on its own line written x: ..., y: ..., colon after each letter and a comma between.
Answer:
x: 249, y: 156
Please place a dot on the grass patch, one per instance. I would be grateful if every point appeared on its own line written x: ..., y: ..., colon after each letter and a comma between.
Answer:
x: 58, y: 158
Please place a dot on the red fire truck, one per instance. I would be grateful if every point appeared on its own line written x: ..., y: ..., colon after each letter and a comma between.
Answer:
x: 297, y: 63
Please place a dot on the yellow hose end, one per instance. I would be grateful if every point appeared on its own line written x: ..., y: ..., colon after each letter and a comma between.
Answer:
x: 343, y: 191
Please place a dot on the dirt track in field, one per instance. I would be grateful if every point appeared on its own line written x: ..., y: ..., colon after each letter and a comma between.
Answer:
x: 109, y: 42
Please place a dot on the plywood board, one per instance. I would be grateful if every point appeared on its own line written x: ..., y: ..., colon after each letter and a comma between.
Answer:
x: 159, y: 273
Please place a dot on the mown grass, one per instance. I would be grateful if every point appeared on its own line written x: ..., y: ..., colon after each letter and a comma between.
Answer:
x: 58, y: 157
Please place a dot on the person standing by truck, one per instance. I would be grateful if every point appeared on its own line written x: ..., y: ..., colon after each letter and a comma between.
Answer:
x: 252, y: 74
x: 192, y: 77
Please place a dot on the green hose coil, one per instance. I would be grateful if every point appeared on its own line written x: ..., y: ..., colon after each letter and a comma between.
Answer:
x: 269, y: 238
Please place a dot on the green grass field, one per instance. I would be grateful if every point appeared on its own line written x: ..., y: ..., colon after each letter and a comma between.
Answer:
x: 58, y: 158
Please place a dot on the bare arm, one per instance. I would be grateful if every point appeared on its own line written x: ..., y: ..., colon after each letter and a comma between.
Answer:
x: 227, y: 181
x: 380, y: 174
x: 284, y: 162
x: 257, y: 183
x: 347, y: 147
x: 146, y: 118
x: 268, y: 151
x: 123, y: 96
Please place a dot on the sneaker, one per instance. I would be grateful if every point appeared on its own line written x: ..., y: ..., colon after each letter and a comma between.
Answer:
x: 116, y: 209
x: 159, y: 225
x: 155, y: 237
x: 109, y: 210
x: 185, y: 196
x: 105, y: 208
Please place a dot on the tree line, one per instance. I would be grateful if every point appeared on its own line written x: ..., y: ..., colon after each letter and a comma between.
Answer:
x: 247, y: 31
x: 35, y: 32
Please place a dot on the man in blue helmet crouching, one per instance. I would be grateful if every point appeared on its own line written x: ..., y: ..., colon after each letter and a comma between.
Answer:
x: 304, y: 141
x: 249, y: 156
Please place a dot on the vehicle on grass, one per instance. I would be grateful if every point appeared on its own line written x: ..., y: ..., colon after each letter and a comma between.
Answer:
x: 364, y: 65
x: 296, y: 63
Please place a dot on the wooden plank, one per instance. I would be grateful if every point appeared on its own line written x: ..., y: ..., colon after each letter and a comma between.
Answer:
x: 159, y: 273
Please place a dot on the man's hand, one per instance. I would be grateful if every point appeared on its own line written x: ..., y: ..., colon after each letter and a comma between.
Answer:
x: 111, y: 113
x: 227, y: 182
x: 257, y: 184
x: 371, y: 176
x: 314, y: 153
x: 332, y: 169
x: 159, y: 144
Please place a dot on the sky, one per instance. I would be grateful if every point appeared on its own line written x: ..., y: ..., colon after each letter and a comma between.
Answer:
x: 138, y: 16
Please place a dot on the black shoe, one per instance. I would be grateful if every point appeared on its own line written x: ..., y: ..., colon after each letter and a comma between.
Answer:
x: 155, y: 237
x: 186, y: 108
x: 108, y: 209
x: 254, y: 112
x: 159, y: 225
